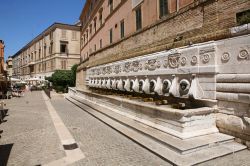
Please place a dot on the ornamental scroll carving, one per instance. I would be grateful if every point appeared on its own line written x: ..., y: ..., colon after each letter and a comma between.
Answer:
x: 183, y: 61
x: 136, y: 66
x: 173, y: 61
x: 109, y: 69
x: 104, y: 70
x: 205, y: 58
x: 98, y: 71
x: 126, y: 67
x: 194, y: 60
x: 117, y: 69
x: 152, y: 64
x: 243, y: 55
x: 225, y: 57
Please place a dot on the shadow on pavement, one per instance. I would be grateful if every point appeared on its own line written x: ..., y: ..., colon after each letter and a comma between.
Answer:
x: 5, y: 153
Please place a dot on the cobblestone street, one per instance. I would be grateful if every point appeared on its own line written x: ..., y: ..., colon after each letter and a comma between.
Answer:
x: 30, y: 130
x: 33, y: 139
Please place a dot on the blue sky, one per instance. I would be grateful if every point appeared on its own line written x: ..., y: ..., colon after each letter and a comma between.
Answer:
x: 22, y: 20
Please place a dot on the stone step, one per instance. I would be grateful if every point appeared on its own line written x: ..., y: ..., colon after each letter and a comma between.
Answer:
x: 172, y: 156
x: 177, y: 144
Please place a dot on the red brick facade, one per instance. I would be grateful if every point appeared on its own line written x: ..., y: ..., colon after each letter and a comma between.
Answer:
x: 1, y: 57
x: 187, y: 22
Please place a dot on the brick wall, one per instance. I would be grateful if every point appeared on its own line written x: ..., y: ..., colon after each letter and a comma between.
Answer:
x: 195, y: 23
x: 1, y: 57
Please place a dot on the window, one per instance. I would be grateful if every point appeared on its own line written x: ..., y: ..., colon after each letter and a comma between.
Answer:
x: 63, y: 48
x: 110, y: 5
x: 44, y: 51
x: 39, y: 53
x: 95, y: 25
x: 243, y: 17
x: 100, y: 18
x: 90, y: 29
x: 63, y: 64
x: 110, y: 36
x: 51, y: 64
x: 95, y: 47
x: 64, y: 34
x: 101, y: 43
x: 138, y: 18
x: 87, y: 36
x: 51, y: 48
x: 51, y: 36
x: 74, y: 35
x: 163, y: 7
x: 122, y: 28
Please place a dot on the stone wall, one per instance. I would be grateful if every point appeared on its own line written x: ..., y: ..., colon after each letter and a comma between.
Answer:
x: 208, y: 21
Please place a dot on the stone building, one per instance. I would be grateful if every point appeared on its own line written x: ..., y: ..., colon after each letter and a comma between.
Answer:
x: 193, y: 54
x: 3, y: 78
x: 56, y: 48
x: 2, y: 57
x: 9, y: 67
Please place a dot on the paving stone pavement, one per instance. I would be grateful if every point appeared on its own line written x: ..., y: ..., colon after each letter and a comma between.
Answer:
x: 29, y: 132
x: 30, y: 129
x: 102, y: 145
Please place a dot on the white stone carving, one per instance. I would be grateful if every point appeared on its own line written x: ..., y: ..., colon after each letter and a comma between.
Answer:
x: 174, y: 89
x: 207, y: 49
x: 127, y: 85
x: 120, y: 85
x: 183, y: 61
x: 152, y: 85
x: 146, y: 86
x: 195, y: 90
x: 108, y: 84
x: 173, y: 61
x: 114, y: 84
x: 184, y: 85
x: 243, y: 55
x: 205, y: 58
x: 158, y: 86
x: 151, y: 65
x: 127, y: 67
x: 135, y: 66
x: 117, y: 69
x: 103, y: 84
x: 166, y: 86
x: 99, y: 84
x: 165, y: 63
x: 135, y: 86
x: 194, y: 60
x: 141, y: 83
x: 225, y: 57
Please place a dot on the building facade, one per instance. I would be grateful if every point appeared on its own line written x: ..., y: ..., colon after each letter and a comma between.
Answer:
x: 57, y: 48
x: 133, y: 45
x: 9, y: 67
x: 2, y: 57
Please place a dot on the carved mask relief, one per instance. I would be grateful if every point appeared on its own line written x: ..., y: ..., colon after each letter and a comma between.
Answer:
x: 173, y: 61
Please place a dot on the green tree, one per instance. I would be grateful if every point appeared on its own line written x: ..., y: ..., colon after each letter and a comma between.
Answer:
x: 62, y: 78
x: 73, y: 72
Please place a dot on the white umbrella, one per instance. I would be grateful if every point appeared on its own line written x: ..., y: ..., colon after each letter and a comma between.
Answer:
x: 14, y: 80
x: 35, y: 79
